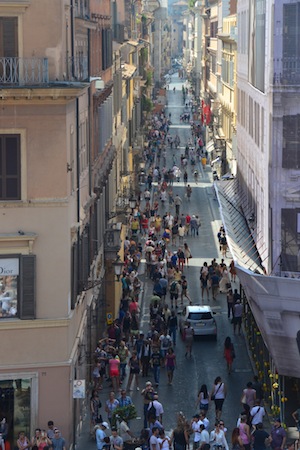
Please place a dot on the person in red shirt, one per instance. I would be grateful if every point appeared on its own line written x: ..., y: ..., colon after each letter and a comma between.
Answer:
x: 187, y: 223
x: 114, y: 372
x: 145, y: 224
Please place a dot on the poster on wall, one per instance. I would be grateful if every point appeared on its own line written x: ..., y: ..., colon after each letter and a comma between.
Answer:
x: 257, y: 33
x: 79, y: 389
x: 9, y: 273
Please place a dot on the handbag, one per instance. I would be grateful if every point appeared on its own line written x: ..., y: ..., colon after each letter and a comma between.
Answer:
x: 214, y: 395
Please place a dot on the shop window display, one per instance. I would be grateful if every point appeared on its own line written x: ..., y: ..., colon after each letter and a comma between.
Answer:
x: 15, y: 400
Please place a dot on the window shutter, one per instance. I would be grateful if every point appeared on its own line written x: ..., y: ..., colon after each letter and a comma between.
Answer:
x: 27, y: 295
x: 74, y: 274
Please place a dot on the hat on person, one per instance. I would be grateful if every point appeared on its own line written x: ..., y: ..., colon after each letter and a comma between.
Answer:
x: 105, y: 424
x: 238, y: 301
x: 277, y: 419
x: 196, y: 416
x: 141, y: 332
x: 193, y: 216
x: 148, y: 383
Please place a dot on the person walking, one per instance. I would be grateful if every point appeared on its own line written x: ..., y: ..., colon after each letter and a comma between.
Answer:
x: 177, y: 203
x: 236, y: 440
x: 230, y: 303
x: 215, y: 279
x: 180, y: 436
x: 204, y: 281
x: 95, y: 405
x: 155, y: 363
x: 261, y: 439
x: 188, y: 192
x: 110, y: 405
x: 278, y: 435
x: 237, y: 316
x: 245, y: 432
x: 134, y: 366
x: 217, y: 438
x: 184, y: 289
x: 257, y: 413
x: 203, y: 398
x: 189, y: 339
x: 170, y: 364
x: 187, y: 253
x: 229, y: 353
x: 173, y: 325
x: 248, y: 397
x: 218, y: 395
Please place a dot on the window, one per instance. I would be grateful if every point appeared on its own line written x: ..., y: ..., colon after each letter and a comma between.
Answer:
x: 290, y: 240
x: 291, y: 142
x: 17, y: 287
x: 10, y: 167
x: 8, y: 37
x: 106, y: 48
x: 290, y: 42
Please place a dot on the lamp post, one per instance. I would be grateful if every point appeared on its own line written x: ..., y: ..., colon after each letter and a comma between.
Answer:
x: 132, y: 203
x: 142, y: 172
x: 118, y: 266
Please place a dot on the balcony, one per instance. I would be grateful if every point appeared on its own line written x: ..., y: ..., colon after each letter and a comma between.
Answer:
x: 78, y: 68
x: 23, y: 71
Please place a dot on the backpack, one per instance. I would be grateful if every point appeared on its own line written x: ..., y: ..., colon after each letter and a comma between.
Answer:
x: 151, y: 412
x: 173, y: 287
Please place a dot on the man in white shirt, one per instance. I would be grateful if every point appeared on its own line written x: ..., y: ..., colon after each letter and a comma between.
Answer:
x: 257, y: 413
x: 158, y: 407
x: 196, y: 423
x: 204, y: 436
x: 204, y: 420
x: 154, y: 444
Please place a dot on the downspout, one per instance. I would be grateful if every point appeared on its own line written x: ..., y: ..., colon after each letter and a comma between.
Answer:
x: 72, y: 39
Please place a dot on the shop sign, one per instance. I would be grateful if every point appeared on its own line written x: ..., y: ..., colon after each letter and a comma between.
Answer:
x: 109, y: 318
x: 9, y: 267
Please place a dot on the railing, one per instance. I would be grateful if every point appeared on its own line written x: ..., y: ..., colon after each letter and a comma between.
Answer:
x: 78, y: 68
x: 23, y: 71
x: 290, y: 75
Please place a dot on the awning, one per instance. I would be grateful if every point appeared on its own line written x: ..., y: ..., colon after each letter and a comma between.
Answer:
x: 216, y: 160
x: 210, y: 146
x: 239, y: 237
x: 274, y: 301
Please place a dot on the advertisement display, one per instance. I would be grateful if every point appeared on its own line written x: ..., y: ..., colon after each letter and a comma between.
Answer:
x: 79, y: 389
x: 257, y: 31
x: 9, y: 273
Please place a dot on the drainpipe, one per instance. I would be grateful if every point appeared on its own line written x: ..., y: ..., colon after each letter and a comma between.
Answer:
x: 72, y: 39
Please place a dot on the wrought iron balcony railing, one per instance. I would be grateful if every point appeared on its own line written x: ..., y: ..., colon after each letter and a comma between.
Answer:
x: 23, y: 71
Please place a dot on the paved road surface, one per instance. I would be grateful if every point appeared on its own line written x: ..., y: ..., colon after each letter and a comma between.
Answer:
x: 207, y: 361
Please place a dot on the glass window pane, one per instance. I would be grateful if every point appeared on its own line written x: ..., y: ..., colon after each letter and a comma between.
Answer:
x: 1, y: 165
x: 12, y: 156
x: 12, y: 189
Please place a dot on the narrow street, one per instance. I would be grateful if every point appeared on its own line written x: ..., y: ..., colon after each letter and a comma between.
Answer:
x: 207, y: 361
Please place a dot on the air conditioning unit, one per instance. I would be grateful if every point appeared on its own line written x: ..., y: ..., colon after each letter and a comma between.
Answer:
x: 99, y: 83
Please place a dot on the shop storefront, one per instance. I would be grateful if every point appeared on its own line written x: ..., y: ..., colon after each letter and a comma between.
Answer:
x: 18, y: 392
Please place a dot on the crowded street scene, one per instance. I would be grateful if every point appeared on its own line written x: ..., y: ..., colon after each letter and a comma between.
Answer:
x: 150, y: 224
x: 161, y: 380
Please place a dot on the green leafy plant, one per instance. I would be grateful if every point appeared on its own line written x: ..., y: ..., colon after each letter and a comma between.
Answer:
x: 123, y: 413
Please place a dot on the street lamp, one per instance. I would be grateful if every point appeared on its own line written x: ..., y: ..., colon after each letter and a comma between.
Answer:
x: 118, y: 267
x: 132, y: 202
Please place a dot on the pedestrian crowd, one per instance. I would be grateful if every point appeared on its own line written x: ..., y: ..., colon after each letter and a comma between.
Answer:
x: 42, y: 439
x: 127, y: 355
